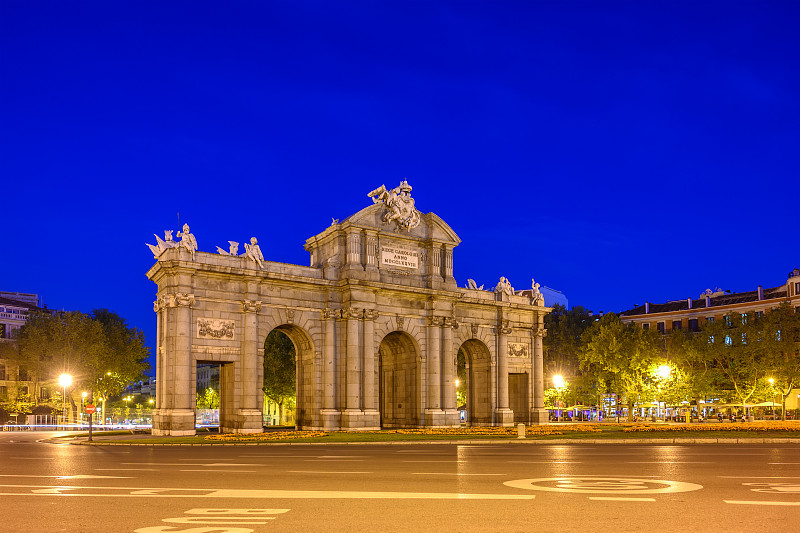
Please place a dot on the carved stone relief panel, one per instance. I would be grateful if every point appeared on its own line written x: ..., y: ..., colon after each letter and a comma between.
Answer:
x: 518, y: 349
x: 210, y: 328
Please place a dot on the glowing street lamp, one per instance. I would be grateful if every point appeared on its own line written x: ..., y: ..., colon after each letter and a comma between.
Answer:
x: 772, y: 386
x: 558, y: 381
x: 64, y: 380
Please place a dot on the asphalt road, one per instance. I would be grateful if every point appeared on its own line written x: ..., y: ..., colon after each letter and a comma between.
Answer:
x: 410, y: 487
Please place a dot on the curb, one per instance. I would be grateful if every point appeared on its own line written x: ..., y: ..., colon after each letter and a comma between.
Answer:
x: 484, y: 442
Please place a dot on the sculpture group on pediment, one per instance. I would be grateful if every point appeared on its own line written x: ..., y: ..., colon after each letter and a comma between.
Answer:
x: 233, y: 250
x: 399, y: 205
x: 187, y: 241
x: 504, y: 287
x: 536, y: 294
x: 472, y: 285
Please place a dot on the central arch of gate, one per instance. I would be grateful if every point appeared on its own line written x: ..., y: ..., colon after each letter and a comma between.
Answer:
x: 376, y: 320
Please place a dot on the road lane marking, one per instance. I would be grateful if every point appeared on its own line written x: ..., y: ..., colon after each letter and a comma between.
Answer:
x: 620, y: 499
x: 195, y: 464
x: 78, y: 476
x: 335, y: 460
x: 226, y: 471
x: 435, y: 461
x: 452, y: 474
x: 323, y: 472
x: 547, y: 462
x: 117, y: 492
x: 744, y: 502
x: 669, y: 462
x: 129, y: 469
x: 783, y: 463
x: 760, y: 477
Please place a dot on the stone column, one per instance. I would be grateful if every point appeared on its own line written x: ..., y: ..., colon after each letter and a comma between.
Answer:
x: 504, y: 415
x: 449, y: 375
x: 331, y: 416
x: 434, y: 416
x: 538, y: 413
x: 351, y: 418
x: 371, y: 259
x: 177, y: 415
x: 248, y: 417
x: 369, y: 399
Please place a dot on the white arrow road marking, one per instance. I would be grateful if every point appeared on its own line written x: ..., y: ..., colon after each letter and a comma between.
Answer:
x: 119, y: 492
x: 53, y: 490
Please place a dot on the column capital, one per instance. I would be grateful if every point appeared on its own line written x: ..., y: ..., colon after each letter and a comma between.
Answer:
x: 370, y: 314
x: 450, y: 322
x: 504, y: 328
x: 329, y: 313
x: 250, y: 306
x: 179, y: 299
x: 435, y: 321
x: 352, y: 312
x: 539, y: 333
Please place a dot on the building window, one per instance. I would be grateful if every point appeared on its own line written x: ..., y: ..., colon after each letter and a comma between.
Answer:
x: 693, y: 325
x: 728, y: 340
x: 778, y: 335
x: 2, y: 372
x: 709, y: 320
x: 728, y: 321
x: 645, y: 326
x: 23, y: 375
x: 661, y: 327
x: 676, y: 325
x: 797, y: 288
x: 3, y: 393
x: 744, y: 318
x: 711, y: 339
x: 3, y: 331
x: 759, y: 314
x: 744, y: 338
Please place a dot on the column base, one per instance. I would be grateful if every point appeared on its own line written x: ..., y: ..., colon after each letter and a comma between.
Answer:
x: 452, y: 418
x: 539, y: 417
x: 331, y: 419
x: 174, y: 423
x: 244, y: 421
x: 358, y: 420
x: 503, y: 417
x: 434, y: 418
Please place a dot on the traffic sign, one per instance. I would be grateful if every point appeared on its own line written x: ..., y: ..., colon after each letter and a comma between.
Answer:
x: 91, y: 408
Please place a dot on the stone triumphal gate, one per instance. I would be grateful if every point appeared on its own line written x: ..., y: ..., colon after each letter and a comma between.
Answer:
x: 377, y: 321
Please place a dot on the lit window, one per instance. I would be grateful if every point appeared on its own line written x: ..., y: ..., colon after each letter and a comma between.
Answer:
x: 728, y: 340
x: 744, y: 318
x: 727, y: 321
x: 645, y: 326
x: 709, y: 320
x: 711, y: 339
x: 778, y: 335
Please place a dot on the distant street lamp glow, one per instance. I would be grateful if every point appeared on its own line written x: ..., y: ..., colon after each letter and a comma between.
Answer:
x: 664, y: 371
x: 558, y: 381
x: 64, y: 380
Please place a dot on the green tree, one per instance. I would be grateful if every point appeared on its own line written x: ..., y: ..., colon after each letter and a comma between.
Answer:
x: 280, y: 371
x: 99, y: 351
x: 737, y: 348
x: 781, y: 334
x: 690, y: 356
x: 563, y: 344
x: 626, y: 356
x: 123, y: 362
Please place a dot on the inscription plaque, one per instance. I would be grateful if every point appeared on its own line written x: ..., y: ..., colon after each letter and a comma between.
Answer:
x: 394, y: 256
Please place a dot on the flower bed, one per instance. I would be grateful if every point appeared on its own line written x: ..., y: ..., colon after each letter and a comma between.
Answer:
x: 268, y: 436
x: 706, y: 428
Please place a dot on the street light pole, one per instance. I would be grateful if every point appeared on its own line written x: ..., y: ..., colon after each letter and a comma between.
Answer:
x: 65, y: 380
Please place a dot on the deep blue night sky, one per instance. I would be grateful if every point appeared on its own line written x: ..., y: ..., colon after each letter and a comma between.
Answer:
x: 617, y: 151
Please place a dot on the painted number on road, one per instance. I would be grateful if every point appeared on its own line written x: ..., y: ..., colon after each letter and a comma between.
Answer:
x: 216, y: 521
x: 603, y: 485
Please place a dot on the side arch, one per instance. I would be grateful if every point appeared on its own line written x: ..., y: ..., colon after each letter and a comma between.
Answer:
x: 302, y: 331
x: 399, y: 385
x: 479, y: 380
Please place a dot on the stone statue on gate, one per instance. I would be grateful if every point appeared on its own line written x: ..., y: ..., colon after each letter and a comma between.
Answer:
x: 399, y: 205
x: 504, y: 287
